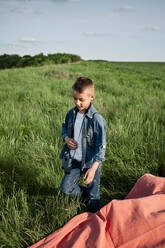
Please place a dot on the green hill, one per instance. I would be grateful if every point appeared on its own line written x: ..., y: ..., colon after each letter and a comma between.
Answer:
x: 33, y: 104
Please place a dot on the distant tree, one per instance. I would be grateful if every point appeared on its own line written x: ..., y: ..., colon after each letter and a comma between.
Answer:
x: 25, y: 61
x: 10, y: 61
x: 39, y: 59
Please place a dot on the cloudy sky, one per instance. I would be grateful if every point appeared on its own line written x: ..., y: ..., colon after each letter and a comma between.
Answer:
x: 115, y: 30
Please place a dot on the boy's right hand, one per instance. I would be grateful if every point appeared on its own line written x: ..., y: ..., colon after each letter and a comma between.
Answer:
x: 71, y: 143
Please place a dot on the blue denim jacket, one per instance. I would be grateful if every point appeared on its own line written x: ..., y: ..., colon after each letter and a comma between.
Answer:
x: 93, y: 135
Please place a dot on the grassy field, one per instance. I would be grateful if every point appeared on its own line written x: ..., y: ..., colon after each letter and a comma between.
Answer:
x: 33, y: 104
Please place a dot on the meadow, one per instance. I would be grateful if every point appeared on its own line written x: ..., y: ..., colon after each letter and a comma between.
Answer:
x: 33, y: 104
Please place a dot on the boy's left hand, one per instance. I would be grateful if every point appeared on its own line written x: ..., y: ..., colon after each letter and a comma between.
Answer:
x: 90, y: 173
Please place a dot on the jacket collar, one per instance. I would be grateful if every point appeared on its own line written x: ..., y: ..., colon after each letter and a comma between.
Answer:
x: 90, y: 111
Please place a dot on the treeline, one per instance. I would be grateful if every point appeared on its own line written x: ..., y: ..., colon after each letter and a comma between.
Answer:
x: 14, y: 60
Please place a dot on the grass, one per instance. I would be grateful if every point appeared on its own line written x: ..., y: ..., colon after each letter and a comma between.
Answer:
x: 34, y: 101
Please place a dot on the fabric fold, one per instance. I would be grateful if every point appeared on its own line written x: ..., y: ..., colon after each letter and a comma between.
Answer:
x: 136, y: 221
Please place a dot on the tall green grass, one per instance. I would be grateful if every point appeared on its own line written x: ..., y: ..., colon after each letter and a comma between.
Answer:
x: 33, y: 104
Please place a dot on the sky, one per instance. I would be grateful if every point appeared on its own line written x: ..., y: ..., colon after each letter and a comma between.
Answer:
x: 113, y: 30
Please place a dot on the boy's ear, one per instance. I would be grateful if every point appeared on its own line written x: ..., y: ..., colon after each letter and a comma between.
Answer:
x: 93, y: 96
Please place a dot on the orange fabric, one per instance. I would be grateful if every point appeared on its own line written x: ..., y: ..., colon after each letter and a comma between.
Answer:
x: 137, y: 221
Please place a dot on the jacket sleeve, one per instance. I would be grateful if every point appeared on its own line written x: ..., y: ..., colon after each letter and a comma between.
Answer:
x: 64, y: 131
x: 100, y: 138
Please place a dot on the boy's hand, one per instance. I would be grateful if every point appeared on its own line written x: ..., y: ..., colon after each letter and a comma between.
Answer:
x: 71, y: 143
x: 90, y: 173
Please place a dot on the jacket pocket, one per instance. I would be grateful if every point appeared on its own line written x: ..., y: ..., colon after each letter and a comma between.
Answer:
x: 90, y: 136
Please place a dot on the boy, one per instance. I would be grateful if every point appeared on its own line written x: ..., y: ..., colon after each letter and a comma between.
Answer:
x: 84, y: 132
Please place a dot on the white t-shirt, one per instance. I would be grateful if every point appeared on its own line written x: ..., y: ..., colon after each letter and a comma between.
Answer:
x: 77, y: 154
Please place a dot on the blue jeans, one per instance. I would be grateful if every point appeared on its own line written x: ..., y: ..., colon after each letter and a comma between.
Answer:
x: 69, y: 185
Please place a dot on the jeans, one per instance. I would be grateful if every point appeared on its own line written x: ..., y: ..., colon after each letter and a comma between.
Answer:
x: 69, y: 185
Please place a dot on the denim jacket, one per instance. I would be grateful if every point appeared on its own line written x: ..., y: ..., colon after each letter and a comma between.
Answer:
x: 93, y: 135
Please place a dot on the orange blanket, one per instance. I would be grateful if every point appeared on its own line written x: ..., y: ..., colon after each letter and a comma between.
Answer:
x: 137, y: 221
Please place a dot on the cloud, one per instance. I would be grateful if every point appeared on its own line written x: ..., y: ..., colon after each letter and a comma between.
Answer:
x: 38, y: 12
x: 22, y: 48
x: 12, y: 46
x: 65, y: 1
x: 95, y: 34
x: 75, y: 1
x: 125, y: 9
x: 16, y: 10
x: 60, y: 42
x: 28, y: 39
x: 29, y: 42
x: 152, y: 28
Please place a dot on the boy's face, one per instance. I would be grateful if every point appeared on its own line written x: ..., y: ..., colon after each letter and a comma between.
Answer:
x: 82, y: 100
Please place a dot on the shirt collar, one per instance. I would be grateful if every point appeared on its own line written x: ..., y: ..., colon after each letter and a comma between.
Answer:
x: 90, y: 111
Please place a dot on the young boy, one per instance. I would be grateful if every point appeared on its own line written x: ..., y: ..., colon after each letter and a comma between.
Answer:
x: 84, y: 132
